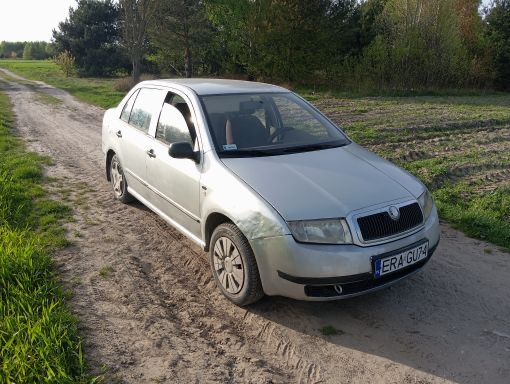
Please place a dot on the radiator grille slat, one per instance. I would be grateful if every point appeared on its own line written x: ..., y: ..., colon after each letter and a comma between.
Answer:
x: 381, y: 225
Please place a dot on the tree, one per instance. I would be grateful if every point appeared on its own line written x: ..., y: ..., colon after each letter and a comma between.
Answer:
x: 291, y: 39
x: 91, y: 34
x: 135, y: 18
x: 418, y: 44
x: 474, y: 39
x: 498, y: 32
x: 27, y: 51
x: 37, y: 50
x: 231, y: 18
x: 11, y: 49
x: 181, y: 33
x: 286, y: 40
x: 370, y: 13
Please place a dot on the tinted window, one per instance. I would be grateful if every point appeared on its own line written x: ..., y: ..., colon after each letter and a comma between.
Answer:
x: 128, y: 107
x: 143, y: 108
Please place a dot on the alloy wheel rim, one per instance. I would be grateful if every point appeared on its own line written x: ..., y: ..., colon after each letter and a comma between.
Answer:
x: 228, y: 265
x: 117, y: 178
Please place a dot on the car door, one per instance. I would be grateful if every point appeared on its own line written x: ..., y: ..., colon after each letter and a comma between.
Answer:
x: 174, y: 183
x: 133, y: 136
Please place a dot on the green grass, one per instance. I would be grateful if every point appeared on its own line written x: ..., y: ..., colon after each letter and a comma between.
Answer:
x: 38, y: 336
x: 329, y: 330
x: 484, y: 216
x: 106, y: 271
x: 99, y: 92
x: 48, y: 99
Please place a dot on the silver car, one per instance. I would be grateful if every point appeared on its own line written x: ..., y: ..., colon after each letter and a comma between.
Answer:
x: 285, y: 203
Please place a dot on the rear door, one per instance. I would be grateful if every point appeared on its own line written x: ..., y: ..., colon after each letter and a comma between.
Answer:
x: 174, y: 183
x: 134, y: 138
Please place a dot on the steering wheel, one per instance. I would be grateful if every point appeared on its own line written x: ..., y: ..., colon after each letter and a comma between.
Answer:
x: 279, y: 133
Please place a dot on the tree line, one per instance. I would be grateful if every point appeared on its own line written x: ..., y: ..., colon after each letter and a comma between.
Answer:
x: 28, y: 50
x: 351, y: 44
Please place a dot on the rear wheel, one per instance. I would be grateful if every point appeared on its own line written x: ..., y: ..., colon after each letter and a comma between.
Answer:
x: 118, y: 181
x: 234, y: 266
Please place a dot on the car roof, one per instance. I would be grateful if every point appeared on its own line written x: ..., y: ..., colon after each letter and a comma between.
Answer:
x: 218, y: 86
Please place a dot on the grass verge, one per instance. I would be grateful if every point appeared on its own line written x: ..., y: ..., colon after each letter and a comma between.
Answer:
x: 483, y: 216
x: 99, y: 92
x: 38, y: 335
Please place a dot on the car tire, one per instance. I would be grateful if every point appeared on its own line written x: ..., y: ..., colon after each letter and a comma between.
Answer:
x: 234, y: 266
x: 118, y: 180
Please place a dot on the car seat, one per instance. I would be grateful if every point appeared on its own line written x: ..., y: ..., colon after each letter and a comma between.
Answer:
x: 245, y: 130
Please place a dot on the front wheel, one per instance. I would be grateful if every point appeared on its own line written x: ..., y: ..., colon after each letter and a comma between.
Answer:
x: 234, y: 266
x: 118, y: 181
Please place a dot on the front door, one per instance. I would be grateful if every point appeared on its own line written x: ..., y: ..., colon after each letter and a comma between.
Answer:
x: 174, y: 183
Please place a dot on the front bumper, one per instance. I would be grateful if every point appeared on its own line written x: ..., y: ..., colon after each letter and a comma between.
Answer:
x: 311, y: 271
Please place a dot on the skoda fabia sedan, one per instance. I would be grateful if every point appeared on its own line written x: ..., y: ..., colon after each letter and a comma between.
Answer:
x: 285, y: 203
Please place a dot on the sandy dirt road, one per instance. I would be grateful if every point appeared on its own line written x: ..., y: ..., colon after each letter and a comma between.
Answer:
x: 149, y: 311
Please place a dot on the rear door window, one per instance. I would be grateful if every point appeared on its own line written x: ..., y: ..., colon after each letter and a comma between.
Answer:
x: 143, y: 108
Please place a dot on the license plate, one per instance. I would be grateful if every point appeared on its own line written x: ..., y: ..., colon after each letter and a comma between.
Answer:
x: 401, y: 260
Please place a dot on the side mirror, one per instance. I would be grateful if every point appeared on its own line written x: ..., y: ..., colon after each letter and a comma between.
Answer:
x: 183, y: 150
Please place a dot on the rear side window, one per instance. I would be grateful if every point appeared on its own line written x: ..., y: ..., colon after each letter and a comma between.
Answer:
x: 143, y: 108
x: 128, y: 107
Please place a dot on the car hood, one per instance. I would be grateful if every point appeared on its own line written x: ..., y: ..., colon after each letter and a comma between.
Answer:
x: 324, y: 184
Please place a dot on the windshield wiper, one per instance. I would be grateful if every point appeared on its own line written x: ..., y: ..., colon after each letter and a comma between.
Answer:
x: 281, y: 151
x: 312, y: 147
x: 246, y: 153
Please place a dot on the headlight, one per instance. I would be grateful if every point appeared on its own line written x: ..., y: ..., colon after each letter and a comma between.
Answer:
x: 426, y: 204
x: 328, y: 231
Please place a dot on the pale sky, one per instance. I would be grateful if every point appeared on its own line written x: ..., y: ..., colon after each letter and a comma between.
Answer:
x: 33, y: 20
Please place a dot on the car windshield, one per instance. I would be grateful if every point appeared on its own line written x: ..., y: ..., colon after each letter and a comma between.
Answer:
x: 265, y: 124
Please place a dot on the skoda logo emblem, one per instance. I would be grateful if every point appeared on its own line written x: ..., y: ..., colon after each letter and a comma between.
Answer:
x: 394, y: 213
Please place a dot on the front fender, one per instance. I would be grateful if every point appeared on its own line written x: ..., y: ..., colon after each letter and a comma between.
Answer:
x: 226, y: 194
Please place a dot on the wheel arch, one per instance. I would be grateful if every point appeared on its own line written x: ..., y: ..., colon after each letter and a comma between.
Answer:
x: 212, y: 222
x: 109, y: 157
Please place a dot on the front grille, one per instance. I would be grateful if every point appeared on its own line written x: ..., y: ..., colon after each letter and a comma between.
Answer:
x: 381, y: 225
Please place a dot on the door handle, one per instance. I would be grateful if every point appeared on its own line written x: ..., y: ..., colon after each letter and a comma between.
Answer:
x: 119, y: 133
x: 151, y: 153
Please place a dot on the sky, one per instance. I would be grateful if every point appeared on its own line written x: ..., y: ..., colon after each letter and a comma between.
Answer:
x: 33, y: 20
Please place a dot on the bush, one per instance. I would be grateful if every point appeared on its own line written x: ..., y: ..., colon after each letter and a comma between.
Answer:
x: 124, y: 84
x: 66, y: 62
